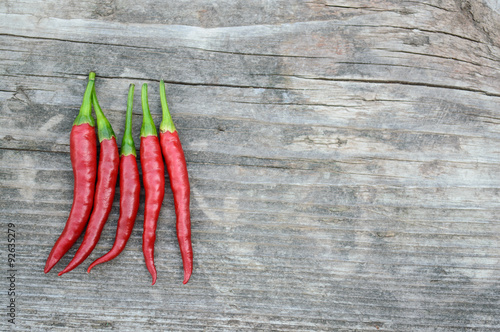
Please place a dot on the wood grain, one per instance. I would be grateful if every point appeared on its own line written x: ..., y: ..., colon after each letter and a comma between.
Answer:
x: 344, y: 158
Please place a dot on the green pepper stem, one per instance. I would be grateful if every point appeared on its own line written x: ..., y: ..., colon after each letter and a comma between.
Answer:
x: 128, y: 146
x: 85, y: 115
x: 148, y: 126
x: 104, y: 129
x: 166, y: 123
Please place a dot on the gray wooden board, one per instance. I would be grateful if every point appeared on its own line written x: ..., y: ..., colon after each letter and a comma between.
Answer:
x: 344, y: 158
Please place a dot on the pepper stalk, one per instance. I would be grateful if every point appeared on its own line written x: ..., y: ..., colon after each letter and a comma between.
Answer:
x: 148, y: 127
x: 128, y: 146
x: 104, y: 129
x: 167, y: 124
x: 85, y: 114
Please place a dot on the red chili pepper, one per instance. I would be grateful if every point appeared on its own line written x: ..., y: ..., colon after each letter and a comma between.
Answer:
x: 130, y: 189
x: 179, y: 182
x: 83, y: 154
x: 107, y: 174
x: 153, y: 177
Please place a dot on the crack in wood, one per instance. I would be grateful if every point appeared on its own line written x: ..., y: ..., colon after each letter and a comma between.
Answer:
x: 276, y: 55
x: 477, y: 64
x: 400, y: 82
x: 81, y: 42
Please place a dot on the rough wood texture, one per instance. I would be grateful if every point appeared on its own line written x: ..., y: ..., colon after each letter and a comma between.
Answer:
x: 344, y: 159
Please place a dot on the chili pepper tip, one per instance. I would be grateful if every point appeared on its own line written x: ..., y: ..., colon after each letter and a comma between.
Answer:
x: 64, y: 271
x: 49, y: 265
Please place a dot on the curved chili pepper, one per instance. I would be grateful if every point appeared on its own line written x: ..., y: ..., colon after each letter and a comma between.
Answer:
x: 105, y: 188
x: 130, y: 189
x: 83, y: 152
x: 179, y: 182
x: 153, y: 177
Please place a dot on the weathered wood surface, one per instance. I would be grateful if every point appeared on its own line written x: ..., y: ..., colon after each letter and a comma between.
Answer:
x: 344, y: 159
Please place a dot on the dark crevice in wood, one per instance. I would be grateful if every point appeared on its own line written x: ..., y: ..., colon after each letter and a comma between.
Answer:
x: 432, y: 5
x: 33, y: 150
x: 482, y: 65
x: 367, y: 8
x: 83, y: 42
x: 260, y: 54
x: 417, y: 29
x: 292, y: 104
x: 382, y: 64
x: 43, y: 76
x: 237, y: 86
x: 376, y: 81
x: 388, y: 9
x: 157, y: 80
